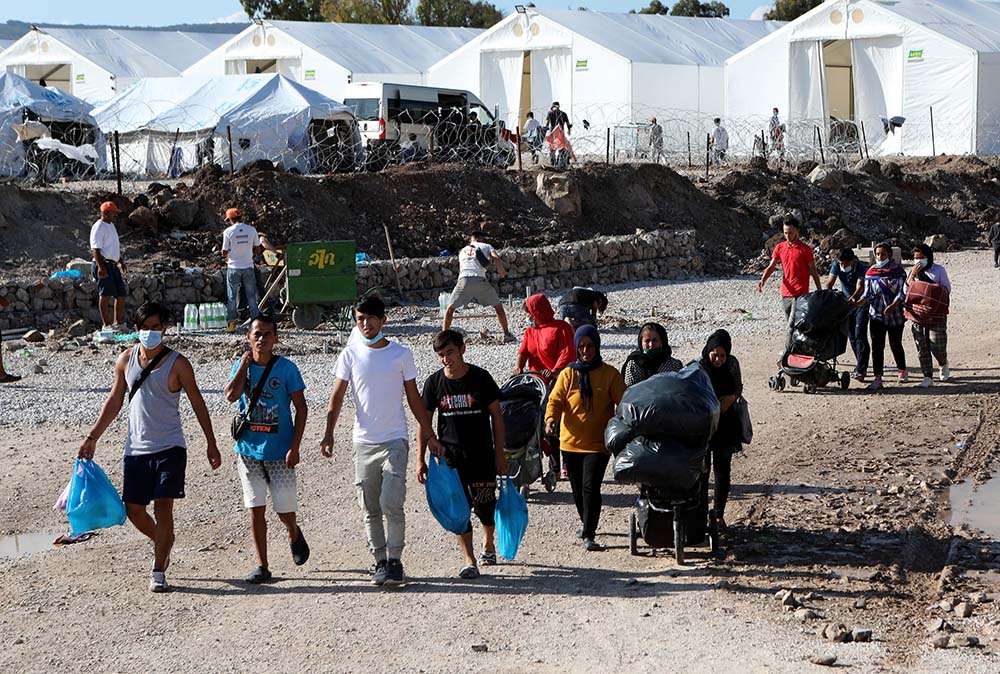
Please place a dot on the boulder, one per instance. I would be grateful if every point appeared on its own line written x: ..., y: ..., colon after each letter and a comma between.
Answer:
x: 559, y: 192
x: 937, y: 242
x: 163, y: 196
x: 869, y: 166
x: 140, y: 200
x: 892, y: 171
x: 827, y: 178
x: 143, y: 218
x: 155, y: 188
x: 179, y: 213
x: 80, y: 265
x: 843, y: 238
x: 33, y: 336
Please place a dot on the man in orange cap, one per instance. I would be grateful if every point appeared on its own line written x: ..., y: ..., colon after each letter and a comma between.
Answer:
x: 240, y: 242
x: 108, y: 268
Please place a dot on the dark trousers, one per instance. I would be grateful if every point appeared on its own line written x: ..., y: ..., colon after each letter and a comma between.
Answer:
x: 857, y: 325
x: 996, y: 255
x: 723, y: 463
x: 586, y: 472
x: 879, y: 331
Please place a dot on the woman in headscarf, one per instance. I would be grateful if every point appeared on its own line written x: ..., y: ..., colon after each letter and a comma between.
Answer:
x: 547, y: 346
x: 727, y: 382
x: 652, y: 357
x: 583, y: 400
x: 927, y: 309
x: 884, y: 293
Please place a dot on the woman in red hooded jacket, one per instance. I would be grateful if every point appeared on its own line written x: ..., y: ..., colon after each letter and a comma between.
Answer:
x: 547, y: 346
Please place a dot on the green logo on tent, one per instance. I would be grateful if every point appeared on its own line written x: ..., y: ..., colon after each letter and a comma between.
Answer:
x: 310, y: 74
x: 915, y: 54
x: 581, y: 65
x: 81, y: 78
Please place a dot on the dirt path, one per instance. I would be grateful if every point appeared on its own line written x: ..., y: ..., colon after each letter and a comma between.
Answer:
x: 841, y: 494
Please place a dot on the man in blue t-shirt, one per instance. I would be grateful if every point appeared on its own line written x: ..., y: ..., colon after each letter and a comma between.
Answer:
x: 268, y: 446
x: 851, y: 272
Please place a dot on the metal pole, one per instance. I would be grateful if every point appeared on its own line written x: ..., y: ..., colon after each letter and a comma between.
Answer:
x: 819, y: 136
x: 814, y: 143
x: 708, y: 146
x: 933, y: 147
x: 118, y: 163
x: 763, y: 145
x: 689, y: 149
x: 861, y: 151
x: 607, y: 148
x: 864, y: 139
x: 392, y: 258
x: 614, y: 147
x: 229, y: 137
x: 517, y: 143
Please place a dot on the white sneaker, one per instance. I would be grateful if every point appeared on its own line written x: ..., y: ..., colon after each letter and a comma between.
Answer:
x: 158, y: 582
x: 903, y: 377
x: 927, y: 382
x: 945, y: 373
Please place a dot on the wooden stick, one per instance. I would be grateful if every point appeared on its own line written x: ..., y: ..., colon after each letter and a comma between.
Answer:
x: 517, y: 144
x: 392, y: 258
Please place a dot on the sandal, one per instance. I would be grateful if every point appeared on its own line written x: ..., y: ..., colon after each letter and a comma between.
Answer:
x: 487, y: 558
x: 469, y: 572
x: 9, y: 378
x: 260, y: 575
x: 300, y: 549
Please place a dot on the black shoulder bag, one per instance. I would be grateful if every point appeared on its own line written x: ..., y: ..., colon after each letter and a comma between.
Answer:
x: 146, y: 372
x: 242, y: 420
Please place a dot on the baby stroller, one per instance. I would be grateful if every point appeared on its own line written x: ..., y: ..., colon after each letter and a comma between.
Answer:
x: 523, y: 399
x: 660, y: 439
x: 819, y: 336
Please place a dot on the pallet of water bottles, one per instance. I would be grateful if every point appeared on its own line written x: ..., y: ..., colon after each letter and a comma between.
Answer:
x: 204, y: 317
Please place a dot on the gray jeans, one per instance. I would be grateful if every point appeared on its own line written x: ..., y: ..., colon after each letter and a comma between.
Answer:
x: 380, y: 480
x: 235, y: 280
x: 788, y: 305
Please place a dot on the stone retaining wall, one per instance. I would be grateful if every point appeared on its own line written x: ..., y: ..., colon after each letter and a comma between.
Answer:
x: 660, y: 254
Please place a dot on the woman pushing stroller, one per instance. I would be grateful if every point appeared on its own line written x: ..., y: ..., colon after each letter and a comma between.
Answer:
x: 727, y: 382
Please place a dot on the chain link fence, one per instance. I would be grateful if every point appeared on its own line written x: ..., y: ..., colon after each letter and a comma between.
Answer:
x: 39, y: 151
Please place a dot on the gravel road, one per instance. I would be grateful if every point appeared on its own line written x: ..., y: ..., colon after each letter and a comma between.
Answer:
x: 557, y: 608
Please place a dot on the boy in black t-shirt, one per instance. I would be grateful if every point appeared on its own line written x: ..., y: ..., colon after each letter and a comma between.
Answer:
x: 470, y: 428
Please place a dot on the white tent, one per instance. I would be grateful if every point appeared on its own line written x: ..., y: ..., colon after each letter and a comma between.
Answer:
x: 604, y: 67
x: 170, y: 125
x: 329, y: 56
x: 95, y: 63
x: 67, y: 118
x: 868, y: 60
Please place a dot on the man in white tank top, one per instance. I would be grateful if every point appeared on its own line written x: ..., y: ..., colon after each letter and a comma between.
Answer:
x: 155, y: 450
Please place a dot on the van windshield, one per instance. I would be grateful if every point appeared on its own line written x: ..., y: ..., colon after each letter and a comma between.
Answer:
x: 364, y: 109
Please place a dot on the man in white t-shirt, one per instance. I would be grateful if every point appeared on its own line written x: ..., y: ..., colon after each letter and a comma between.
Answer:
x: 472, y: 285
x: 109, y: 268
x: 239, y: 243
x: 720, y: 142
x: 380, y: 373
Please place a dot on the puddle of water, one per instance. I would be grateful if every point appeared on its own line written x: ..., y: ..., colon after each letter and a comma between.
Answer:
x: 19, y: 545
x: 977, y: 506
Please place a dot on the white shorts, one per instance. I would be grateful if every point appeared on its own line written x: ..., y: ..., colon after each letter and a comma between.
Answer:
x: 257, y: 477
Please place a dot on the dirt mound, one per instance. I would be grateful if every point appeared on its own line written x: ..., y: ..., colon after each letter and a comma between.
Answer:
x: 36, y: 223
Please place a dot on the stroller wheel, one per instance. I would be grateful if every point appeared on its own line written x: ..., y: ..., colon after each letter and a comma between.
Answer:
x: 781, y: 383
x: 845, y: 381
x: 772, y: 383
x: 524, y: 491
x: 633, y: 535
x: 809, y: 388
x: 549, y: 481
x: 679, y: 537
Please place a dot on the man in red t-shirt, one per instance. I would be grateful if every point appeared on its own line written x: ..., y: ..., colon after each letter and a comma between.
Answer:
x: 797, y: 266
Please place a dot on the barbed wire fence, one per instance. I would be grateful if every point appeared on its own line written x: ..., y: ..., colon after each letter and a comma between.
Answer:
x: 38, y: 152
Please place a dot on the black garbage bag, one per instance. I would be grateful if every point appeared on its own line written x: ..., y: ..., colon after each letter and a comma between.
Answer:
x: 677, y: 405
x: 666, y: 464
x: 824, y: 347
x: 821, y: 313
x: 521, y: 407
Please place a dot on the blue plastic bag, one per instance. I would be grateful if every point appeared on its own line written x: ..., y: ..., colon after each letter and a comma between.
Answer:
x: 511, y: 519
x: 74, y: 274
x: 446, y: 497
x: 93, y: 501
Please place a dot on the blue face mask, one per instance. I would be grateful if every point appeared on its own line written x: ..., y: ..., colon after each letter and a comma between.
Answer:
x: 921, y: 263
x: 883, y: 263
x: 530, y: 322
x: 374, y: 340
x: 150, y: 338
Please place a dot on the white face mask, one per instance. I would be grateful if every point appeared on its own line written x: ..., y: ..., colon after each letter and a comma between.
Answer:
x: 921, y: 263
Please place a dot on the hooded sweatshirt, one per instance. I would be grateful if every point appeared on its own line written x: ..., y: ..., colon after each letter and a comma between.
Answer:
x: 549, y: 343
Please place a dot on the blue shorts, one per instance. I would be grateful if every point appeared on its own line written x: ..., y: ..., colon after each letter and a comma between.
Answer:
x: 577, y: 312
x: 112, y: 285
x: 152, y: 476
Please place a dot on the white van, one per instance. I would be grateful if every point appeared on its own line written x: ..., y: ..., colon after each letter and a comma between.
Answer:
x: 389, y: 112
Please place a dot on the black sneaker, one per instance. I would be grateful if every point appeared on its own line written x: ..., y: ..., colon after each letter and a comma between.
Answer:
x: 394, y: 573
x: 381, y: 573
x: 300, y: 550
x: 260, y: 575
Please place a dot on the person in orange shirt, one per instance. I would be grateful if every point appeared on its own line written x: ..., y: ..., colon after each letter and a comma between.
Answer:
x: 583, y: 400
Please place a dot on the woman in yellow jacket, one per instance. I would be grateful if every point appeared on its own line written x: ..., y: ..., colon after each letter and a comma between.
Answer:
x: 583, y: 400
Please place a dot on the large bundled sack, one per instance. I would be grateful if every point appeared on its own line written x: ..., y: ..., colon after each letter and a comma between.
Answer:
x: 821, y: 313
x: 927, y: 303
x: 680, y: 406
x: 668, y: 464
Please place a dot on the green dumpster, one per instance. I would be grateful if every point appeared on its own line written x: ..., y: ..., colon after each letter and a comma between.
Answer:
x: 321, y: 277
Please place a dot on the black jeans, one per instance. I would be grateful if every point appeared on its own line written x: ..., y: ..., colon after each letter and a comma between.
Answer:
x: 586, y: 472
x: 857, y: 325
x: 879, y: 331
x: 723, y: 460
x: 996, y: 256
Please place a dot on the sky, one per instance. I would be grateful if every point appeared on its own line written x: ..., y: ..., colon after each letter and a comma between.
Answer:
x: 133, y: 13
